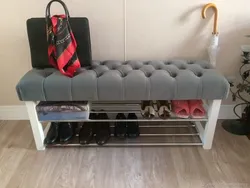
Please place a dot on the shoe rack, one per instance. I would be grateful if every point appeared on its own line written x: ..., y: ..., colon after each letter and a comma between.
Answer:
x: 153, y: 132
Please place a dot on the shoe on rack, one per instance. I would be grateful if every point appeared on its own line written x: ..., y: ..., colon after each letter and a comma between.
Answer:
x: 66, y: 131
x: 87, y: 131
x: 163, y: 108
x: 120, y: 129
x: 133, y: 130
x: 102, y: 130
x: 180, y: 108
x: 147, y: 109
x: 196, y: 109
x: 52, y: 134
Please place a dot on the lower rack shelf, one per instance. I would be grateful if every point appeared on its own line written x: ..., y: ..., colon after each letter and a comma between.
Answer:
x: 166, y: 134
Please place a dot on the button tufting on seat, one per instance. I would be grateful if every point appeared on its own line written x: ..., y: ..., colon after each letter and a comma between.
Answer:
x: 99, y: 75
x: 199, y: 74
x: 206, y: 67
x: 148, y: 74
x: 182, y: 68
x: 168, y: 63
x: 190, y: 62
x: 173, y: 75
x: 47, y: 74
x: 158, y: 68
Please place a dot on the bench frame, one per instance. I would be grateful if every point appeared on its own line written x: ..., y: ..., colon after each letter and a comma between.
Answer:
x: 206, y: 133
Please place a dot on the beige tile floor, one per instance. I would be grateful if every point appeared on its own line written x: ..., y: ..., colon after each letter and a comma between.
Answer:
x: 227, y: 165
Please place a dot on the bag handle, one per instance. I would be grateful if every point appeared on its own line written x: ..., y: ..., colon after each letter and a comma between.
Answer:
x: 64, y: 7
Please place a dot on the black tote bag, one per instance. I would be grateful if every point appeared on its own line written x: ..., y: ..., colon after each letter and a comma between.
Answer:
x: 36, y: 29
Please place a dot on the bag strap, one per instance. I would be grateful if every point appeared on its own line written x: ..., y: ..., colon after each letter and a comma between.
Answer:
x: 47, y: 14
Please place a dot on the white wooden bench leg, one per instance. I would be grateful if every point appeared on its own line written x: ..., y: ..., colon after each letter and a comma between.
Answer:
x: 36, y: 126
x: 213, y: 113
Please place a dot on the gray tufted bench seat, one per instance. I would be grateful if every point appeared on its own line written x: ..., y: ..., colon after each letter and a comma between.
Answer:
x: 129, y: 80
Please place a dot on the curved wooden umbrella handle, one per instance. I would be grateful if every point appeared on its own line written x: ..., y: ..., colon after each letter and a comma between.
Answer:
x: 204, y: 10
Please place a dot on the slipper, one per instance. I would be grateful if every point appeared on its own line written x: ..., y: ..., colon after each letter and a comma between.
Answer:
x: 147, y: 109
x: 163, y: 109
x: 196, y: 109
x: 180, y: 108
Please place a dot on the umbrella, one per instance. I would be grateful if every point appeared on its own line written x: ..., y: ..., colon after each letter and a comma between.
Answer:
x: 213, y: 47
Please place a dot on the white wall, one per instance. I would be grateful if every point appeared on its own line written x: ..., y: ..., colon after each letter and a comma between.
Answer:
x: 155, y: 29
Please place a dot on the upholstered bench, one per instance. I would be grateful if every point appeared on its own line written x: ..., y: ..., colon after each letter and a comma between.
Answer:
x: 127, y: 81
x: 120, y: 81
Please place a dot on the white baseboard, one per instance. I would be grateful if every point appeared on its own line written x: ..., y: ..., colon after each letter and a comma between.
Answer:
x: 19, y: 112
x: 13, y: 112
x: 226, y: 112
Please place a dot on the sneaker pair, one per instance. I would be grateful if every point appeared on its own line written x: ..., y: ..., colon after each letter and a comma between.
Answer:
x: 101, y: 130
x: 60, y: 132
x: 125, y: 129
x: 149, y: 109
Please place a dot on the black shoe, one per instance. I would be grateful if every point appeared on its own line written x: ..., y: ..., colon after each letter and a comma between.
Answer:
x: 66, y: 131
x: 87, y: 131
x: 120, y: 127
x: 133, y: 127
x: 52, y: 134
x: 102, y: 130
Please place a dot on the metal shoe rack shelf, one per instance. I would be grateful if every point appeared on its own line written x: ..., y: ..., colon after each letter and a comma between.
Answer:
x: 153, y: 132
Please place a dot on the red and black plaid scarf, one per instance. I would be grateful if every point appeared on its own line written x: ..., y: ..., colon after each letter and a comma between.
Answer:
x: 62, y: 46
